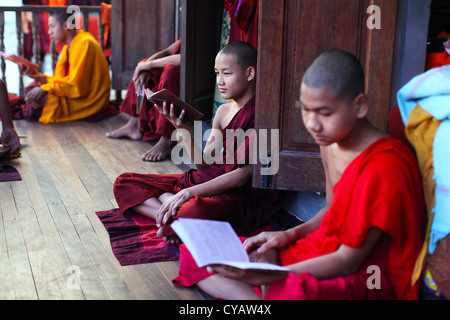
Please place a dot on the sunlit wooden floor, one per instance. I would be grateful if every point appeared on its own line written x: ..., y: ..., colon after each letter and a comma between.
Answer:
x: 49, y: 230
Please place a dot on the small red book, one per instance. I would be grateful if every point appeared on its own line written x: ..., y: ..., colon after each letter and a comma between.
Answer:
x: 158, y: 98
x: 19, y: 60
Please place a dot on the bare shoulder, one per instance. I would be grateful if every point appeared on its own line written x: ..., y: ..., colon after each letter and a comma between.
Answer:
x: 225, y: 108
x: 324, y: 153
x: 335, y: 162
x: 223, y: 115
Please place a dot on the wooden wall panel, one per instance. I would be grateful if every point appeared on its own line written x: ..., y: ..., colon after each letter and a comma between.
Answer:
x: 139, y: 28
x: 292, y: 33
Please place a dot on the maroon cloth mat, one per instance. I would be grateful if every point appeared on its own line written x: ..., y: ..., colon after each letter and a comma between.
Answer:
x: 134, y: 241
x: 9, y: 173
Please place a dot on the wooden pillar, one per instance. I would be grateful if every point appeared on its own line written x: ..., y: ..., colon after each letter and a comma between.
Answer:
x: 20, y: 49
x: 2, y: 44
x: 36, y: 38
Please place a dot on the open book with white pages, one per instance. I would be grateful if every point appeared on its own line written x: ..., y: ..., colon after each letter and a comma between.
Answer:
x: 216, y: 243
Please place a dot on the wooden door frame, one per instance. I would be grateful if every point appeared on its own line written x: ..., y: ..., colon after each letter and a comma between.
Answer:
x: 201, y: 22
x: 304, y: 168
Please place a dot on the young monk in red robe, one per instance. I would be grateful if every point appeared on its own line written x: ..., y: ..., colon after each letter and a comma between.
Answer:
x: 372, y: 224
x: 217, y: 191
x: 9, y: 139
x: 160, y: 71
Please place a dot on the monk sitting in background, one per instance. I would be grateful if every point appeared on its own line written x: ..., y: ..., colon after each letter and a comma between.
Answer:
x: 80, y: 86
x: 9, y: 140
x: 365, y: 229
x: 218, y: 191
x: 160, y: 71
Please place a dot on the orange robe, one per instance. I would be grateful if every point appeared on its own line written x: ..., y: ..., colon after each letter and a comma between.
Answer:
x: 57, y: 2
x: 81, y: 85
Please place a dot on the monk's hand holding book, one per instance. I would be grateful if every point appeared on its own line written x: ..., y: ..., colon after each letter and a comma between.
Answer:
x: 205, y: 240
x: 169, y: 113
x: 27, y: 67
x: 34, y: 74
x: 178, y: 112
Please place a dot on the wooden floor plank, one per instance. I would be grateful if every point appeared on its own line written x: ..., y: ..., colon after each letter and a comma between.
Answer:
x: 34, y: 190
x: 91, y: 284
x: 154, y: 278
x: 109, y: 275
x: 64, y: 162
x: 7, y: 203
x: 44, y: 276
x: 60, y: 261
x: 170, y: 271
x: 6, y: 281
x: 22, y: 277
x: 52, y: 244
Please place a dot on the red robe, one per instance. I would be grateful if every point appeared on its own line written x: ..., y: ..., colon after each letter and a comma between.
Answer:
x: 380, y: 189
x: 247, y: 209
x: 153, y: 124
x: 244, y: 20
x: 438, y: 59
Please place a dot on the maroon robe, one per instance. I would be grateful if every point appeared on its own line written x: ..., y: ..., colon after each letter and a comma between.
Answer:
x: 247, y: 209
x: 153, y: 124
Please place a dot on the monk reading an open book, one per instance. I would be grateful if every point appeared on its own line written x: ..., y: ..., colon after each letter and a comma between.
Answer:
x: 80, y: 86
x: 364, y: 243
x: 218, y: 191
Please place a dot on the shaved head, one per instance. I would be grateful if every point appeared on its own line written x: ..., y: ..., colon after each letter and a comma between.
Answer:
x: 246, y: 55
x: 60, y: 15
x: 339, y: 71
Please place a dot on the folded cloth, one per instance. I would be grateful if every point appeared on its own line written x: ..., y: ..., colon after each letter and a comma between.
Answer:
x: 431, y: 92
x: 133, y: 239
x: 9, y: 173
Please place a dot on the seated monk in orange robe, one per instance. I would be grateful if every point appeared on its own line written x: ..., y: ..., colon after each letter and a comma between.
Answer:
x: 160, y: 71
x: 80, y: 87
x: 364, y: 243
x: 221, y: 190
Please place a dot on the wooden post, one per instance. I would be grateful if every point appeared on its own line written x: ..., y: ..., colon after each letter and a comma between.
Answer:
x: 20, y: 50
x: 86, y: 21
x: 101, y: 32
x: 36, y: 38
x: 2, y: 44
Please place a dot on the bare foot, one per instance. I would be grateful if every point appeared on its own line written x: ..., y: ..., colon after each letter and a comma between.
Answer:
x: 7, y: 154
x: 131, y: 130
x: 11, y: 144
x: 169, y: 240
x: 160, y: 151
